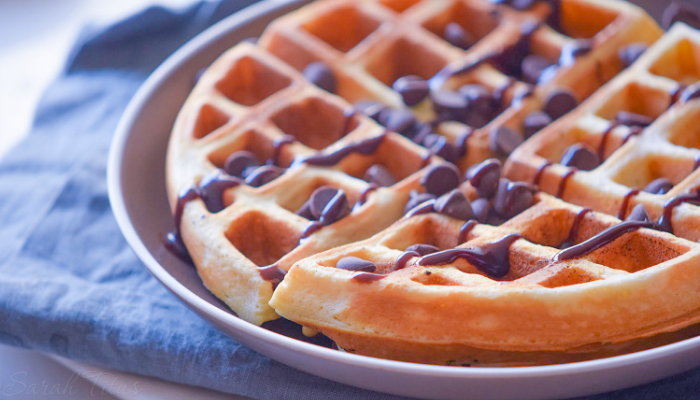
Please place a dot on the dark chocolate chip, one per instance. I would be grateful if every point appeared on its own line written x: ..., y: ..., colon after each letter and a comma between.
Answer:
x: 355, y: 264
x: 573, y: 49
x: 560, y: 102
x: 484, y: 177
x: 449, y: 105
x: 521, y: 5
x: 534, y: 122
x: 398, y: 120
x: 305, y: 211
x: 441, y: 147
x: 417, y: 198
x: 413, y: 89
x: 237, y: 162
x: 422, y: 249
x: 681, y: 12
x: 476, y: 119
x: 630, y: 53
x: 479, y: 98
x: 580, y: 156
x: 321, y: 75
x: 319, y: 199
x: 533, y: 66
x: 263, y: 175
x: 457, y: 36
x: 638, y: 213
x: 455, y: 204
x: 370, y: 108
x: 420, y: 131
x: 440, y: 179
x: 504, y: 140
x: 633, y: 119
x: 512, y: 198
x: 336, y: 209
x: 659, y: 186
x: 481, y: 208
x: 380, y: 175
x: 495, y: 219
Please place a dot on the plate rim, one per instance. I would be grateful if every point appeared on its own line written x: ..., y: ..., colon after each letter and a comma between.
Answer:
x: 117, y: 200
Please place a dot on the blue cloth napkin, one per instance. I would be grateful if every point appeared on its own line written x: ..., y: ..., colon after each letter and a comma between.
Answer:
x: 70, y: 285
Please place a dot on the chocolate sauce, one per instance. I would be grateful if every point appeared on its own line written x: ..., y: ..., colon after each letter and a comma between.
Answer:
x: 212, y: 187
x: 425, y: 158
x: 403, y: 259
x: 634, y: 131
x: 664, y: 223
x: 173, y: 240
x: 493, y: 259
x: 367, y: 277
x: 365, y: 193
x: 367, y: 146
x: 625, y: 202
x: 696, y: 163
x: 464, y: 231
x: 540, y: 171
x: 349, y: 114
x: 500, y: 92
x: 272, y: 273
x: 575, y: 225
x: 439, y: 79
x: 278, y: 144
x: 564, y: 179
x: 424, y: 208
x: 604, y: 139
x: 601, y: 239
x: 676, y: 94
x: 310, y: 228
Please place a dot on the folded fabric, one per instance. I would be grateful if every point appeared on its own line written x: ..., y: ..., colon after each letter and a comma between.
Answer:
x: 70, y: 285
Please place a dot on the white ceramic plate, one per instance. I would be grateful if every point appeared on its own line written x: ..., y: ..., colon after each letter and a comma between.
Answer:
x: 137, y: 194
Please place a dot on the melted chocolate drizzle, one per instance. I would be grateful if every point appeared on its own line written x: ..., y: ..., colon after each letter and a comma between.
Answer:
x: 272, y: 273
x: 404, y: 258
x: 278, y: 144
x: 423, y: 208
x: 212, y: 187
x: 574, y: 228
x: 601, y: 239
x: 367, y: 277
x: 310, y: 228
x: 604, y: 139
x: 464, y: 231
x: 664, y: 223
x: 173, y: 240
x: 367, y: 146
x: 625, y: 202
x: 564, y: 179
x: 540, y: 171
x: 462, y: 141
x: 492, y: 259
x: 365, y: 193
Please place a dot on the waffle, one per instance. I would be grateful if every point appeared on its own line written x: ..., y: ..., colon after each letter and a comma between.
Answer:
x: 370, y: 44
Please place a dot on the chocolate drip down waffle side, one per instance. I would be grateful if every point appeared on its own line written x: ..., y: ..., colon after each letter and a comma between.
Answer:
x: 471, y: 71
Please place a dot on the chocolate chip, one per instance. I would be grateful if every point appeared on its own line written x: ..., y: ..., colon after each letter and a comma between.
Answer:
x: 457, y: 36
x: 319, y: 199
x: 681, y: 12
x: 355, y: 264
x: 559, y: 102
x: 398, y: 120
x: 633, y: 119
x: 521, y: 5
x: 441, y: 147
x: 237, y: 162
x: 534, y: 122
x: 484, y: 177
x: 479, y: 98
x: 580, y: 156
x: 422, y: 249
x: 495, y: 220
x: 440, y: 179
x: 659, y: 186
x: 573, y: 49
x: 420, y: 131
x: 416, y: 198
x: 504, y: 140
x: 630, y: 53
x: 370, y: 108
x: 449, y: 105
x: 476, y: 119
x: 455, y: 204
x: 305, y: 211
x: 533, y: 66
x: 638, y: 213
x: 263, y: 175
x: 321, y: 75
x: 413, y: 89
x: 512, y: 198
x: 481, y: 208
x: 336, y: 209
x: 380, y: 175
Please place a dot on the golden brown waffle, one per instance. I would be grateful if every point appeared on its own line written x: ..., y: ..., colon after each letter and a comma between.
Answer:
x: 247, y: 100
x: 633, y: 157
x: 370, y: 44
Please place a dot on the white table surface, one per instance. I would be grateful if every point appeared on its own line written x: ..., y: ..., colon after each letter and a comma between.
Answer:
x: 35, y: 37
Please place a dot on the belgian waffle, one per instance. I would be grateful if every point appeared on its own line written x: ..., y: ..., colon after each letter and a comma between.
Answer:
x: 267, y: 170
x: 369, y: 45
